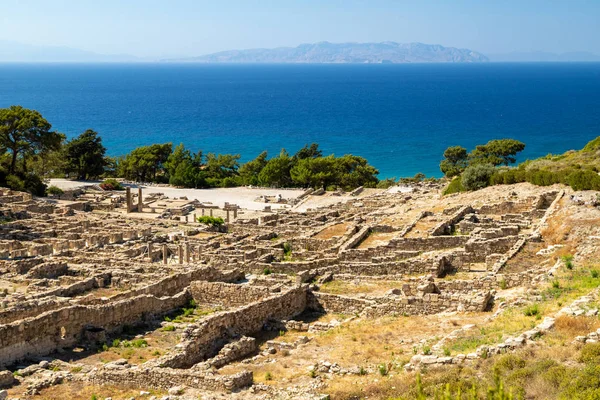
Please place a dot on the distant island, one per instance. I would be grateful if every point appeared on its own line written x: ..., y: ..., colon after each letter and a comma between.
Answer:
x: 345, y: 53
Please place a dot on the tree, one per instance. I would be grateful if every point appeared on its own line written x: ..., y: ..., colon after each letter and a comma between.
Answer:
x: 183, y: 169
x: 25, y: 132
x: 497, y: 152
x: 249, y: 171
x: 354, y: 171
x: 277, y: 171
x: 145, y: 162
x: 455, y: 161
x: 85, y: 155
x: 222, y: 169
x: 477, y: 176
x: 318, y: 172
x: 307, y: 151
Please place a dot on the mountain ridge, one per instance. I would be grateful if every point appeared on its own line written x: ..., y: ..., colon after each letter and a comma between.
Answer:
x: 342, y: 53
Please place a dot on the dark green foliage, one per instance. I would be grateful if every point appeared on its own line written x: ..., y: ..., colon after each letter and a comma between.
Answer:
x: 54, y: 190
x: 184, y: 169
x: 496, y: 152
x: 276, y: 172
x: 25, y: 133
x: 477, y: 176
x: 455, y: 161
x: 208, y: 220
x: 222, y: 170
x: 145, y: 163
x: 84, y: 156
x: 250, y: 170
x: 455, y: 186
x: 307, y: 151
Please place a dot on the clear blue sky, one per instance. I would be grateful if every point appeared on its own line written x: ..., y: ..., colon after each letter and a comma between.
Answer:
x: 194, y: 27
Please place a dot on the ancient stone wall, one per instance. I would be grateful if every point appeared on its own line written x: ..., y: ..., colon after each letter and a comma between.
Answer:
x: 206, y: 337
x: 63, y: 327
x: 228, y: 294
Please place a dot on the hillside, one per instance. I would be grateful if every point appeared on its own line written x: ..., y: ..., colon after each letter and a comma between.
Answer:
x: 325, y: 52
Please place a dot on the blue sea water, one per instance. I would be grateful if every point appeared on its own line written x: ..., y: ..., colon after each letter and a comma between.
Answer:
x: 400, y: 117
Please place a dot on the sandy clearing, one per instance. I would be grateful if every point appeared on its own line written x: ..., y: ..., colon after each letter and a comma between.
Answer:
x: 245, y: 197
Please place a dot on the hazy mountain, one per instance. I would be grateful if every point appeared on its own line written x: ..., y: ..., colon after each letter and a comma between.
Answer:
x: 19, y: 52
x: 540, y: 56
x: 325, y: 52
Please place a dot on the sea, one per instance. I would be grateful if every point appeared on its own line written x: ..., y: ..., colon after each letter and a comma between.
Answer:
x: 400, y: 117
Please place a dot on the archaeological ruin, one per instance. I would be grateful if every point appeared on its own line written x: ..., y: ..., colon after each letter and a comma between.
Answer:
x: 125, y: 294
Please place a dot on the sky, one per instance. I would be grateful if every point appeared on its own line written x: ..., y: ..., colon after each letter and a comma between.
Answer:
x: 162, y: 28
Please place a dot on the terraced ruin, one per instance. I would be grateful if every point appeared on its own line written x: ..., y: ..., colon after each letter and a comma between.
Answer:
x: 105, y: 294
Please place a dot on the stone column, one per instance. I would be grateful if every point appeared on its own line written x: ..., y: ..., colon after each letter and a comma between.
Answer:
x: 180, y: 254
x: 128, y: 198
x: 187, y: 253
x: 227, y: 218
x: 165, y: 254
x: 211, y: 212
x: 195, y: 218
x: 202, y: 211
x: 150, y: 251
x: 140, y: 206
x: 187, y: 219
x: 235, y: 213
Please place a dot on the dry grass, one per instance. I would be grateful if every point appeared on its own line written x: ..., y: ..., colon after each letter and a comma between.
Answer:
x: 83, y: 391
x: 576, y: 326
x: 332, y: 231
x: 376, y: 239
x: 526, y: 259
x: 364, y: 287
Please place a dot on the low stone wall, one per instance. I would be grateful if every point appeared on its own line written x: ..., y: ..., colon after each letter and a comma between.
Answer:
x: 445, y: 227
x: 165, y: 378
x: 430, y: 303
x: 429, y: 243
x: 63, y: 327
x: 203, y: 339
x: 227, y: 294
x: 332, y: 303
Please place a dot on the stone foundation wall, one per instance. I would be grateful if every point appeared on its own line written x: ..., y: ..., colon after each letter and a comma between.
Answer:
x: 227, y: 294
x: 165, y: 378
x: 429, y: 243
x: 63, y: 327
x: 203, y: 340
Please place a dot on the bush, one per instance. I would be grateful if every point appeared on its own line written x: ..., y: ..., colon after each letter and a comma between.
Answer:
x: 54, y: 191
x: 455, y: 186
x: 584, y: 180
x: 212, y: 221
x: 532, y: 310
x: 15, y: 183
x: 477, y: 176
x: 111, y: 184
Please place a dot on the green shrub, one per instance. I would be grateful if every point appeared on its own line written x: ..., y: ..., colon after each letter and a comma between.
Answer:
x: 267, y: 271
x: 531, y: 310
x: 455, y: 186
x: 169, y: 328
x: 584, y: 180
x: 477, y: 176
x: 111, y: 184
x: 383, y: 371
x: 594, y: 273
x: 212, y: 221
x: 590, y: 353
x: 54, y: 191
x: 268, y: 376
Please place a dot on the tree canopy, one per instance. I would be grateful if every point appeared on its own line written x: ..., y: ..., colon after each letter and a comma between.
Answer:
x: 497, y: 152
x: 455, y: 161
x: 24, y: 133
x: 84, y: 155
